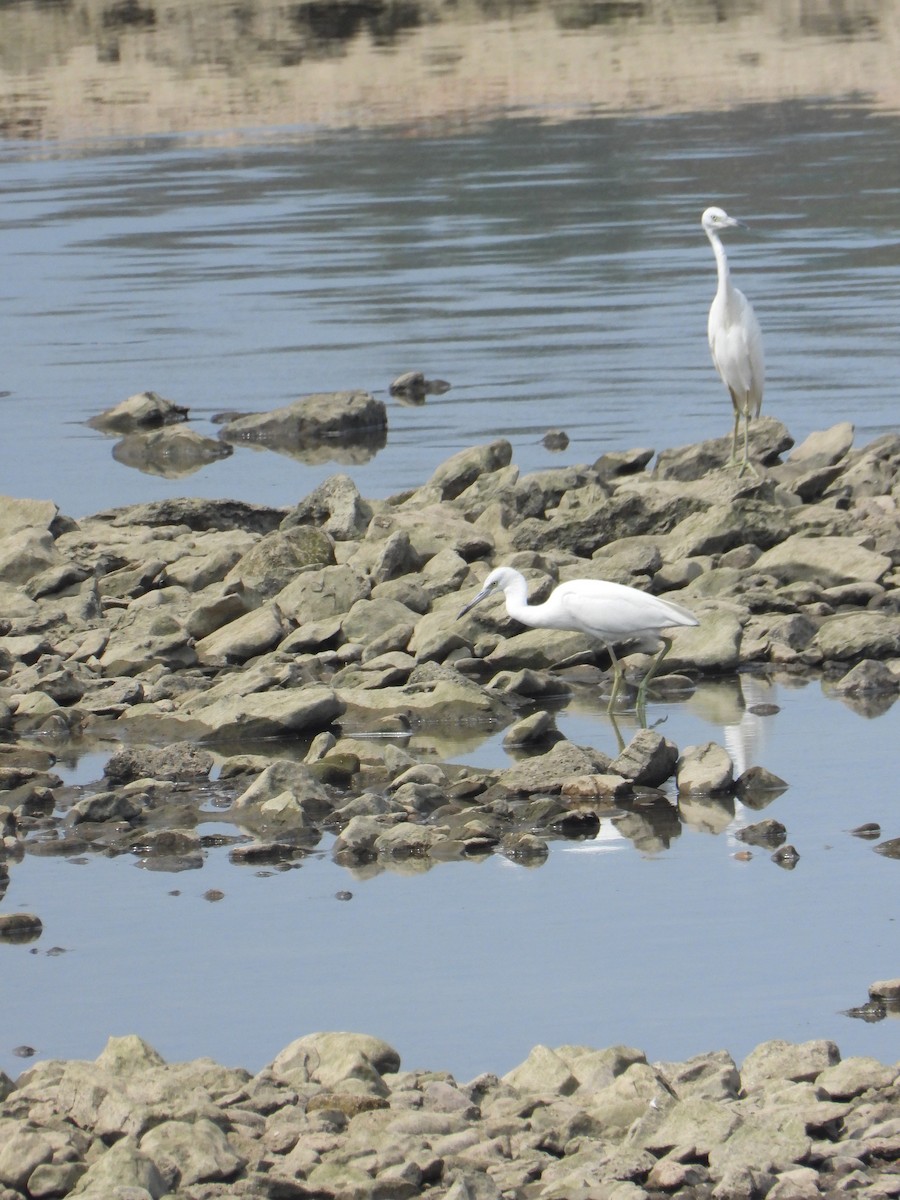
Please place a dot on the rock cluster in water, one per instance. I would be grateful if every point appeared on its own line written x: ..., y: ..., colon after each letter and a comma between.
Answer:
x: 334, y: 1116
x: 256, y: 630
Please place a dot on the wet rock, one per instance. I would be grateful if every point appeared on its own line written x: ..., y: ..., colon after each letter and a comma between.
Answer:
x: 331, y: 416
x: 412, y: 387
x: 104, y: 806
x: 648, y: 759
x: 705, y: 769
x: 144, y: 410
x: 530, y: 730
x: 181, y: 760
x: 886, y: 989
x: 547, y: 772
x: 868, y: 676
x: 20, y: 926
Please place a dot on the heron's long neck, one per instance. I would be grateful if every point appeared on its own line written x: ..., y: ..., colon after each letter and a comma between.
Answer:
x: 517, y: 600
x: 721, y: 261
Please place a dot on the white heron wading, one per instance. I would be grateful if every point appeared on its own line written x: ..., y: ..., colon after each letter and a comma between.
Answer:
x: 611, y: 612
x: 735, y: 339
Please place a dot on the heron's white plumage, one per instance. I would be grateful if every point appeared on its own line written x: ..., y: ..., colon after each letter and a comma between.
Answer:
x: 611, y: 612
x: 735, y: 338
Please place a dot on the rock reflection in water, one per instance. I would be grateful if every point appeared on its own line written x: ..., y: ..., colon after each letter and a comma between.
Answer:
x: 172, y: 453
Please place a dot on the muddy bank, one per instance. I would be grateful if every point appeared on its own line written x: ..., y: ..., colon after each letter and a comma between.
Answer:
x: 335, y: 1115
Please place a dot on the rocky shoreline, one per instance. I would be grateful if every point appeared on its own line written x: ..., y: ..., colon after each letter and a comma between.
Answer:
x: 334, y: 1116
x: 292, y: 650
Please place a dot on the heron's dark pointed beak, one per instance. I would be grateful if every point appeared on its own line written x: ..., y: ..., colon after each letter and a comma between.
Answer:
x: 467, y: 607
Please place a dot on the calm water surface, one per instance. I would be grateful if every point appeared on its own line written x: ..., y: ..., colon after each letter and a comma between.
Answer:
x: 557, y: 276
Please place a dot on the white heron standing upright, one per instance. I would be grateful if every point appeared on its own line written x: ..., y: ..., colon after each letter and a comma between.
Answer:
x: 611, y: 612
x: 735, y: 339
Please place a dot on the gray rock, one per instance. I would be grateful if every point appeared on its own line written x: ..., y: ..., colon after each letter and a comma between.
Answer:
x: 779, y: 1060
x: 246, y: 637
x: 197, y: 514
x: 531, y: 730
x: 20, y: 1155
x: 195, y: 1152
x: 17, y: 514
x: 544, y: 1072
x: 54, y: 1179
x: 104, y: 806
x: 705, y: 769
x: 701, y: 1123
x: 768, y: 1141
x: 257, y: 715
x: 638, y: 1090
x: 768, y: 439
x: 331, y: 416
x: 868, y: 677
x: 828, y: 561
x: 712, y: 1076
x: 712, y: 646
x: 854, y: 1076
x: 547, y: 772
x: 763, y: 833
x: 335, y: 507
x: 26, y: 554
x: 825, y: 445
x: 274, y: 561
x: 648, y: 759
x: 144, y: 410
x: 121, y: 1167
x: 329, y: 1058
x: 408, y: 840
x: 456, y: 474
x: 283, y: 775
x: 724, y: 527
x: 180, y: 760
x: 319, y: 594
x: 862, y: 635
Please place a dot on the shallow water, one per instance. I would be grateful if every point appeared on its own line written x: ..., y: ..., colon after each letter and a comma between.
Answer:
x: 653, y: 933
x: 557, y: 276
